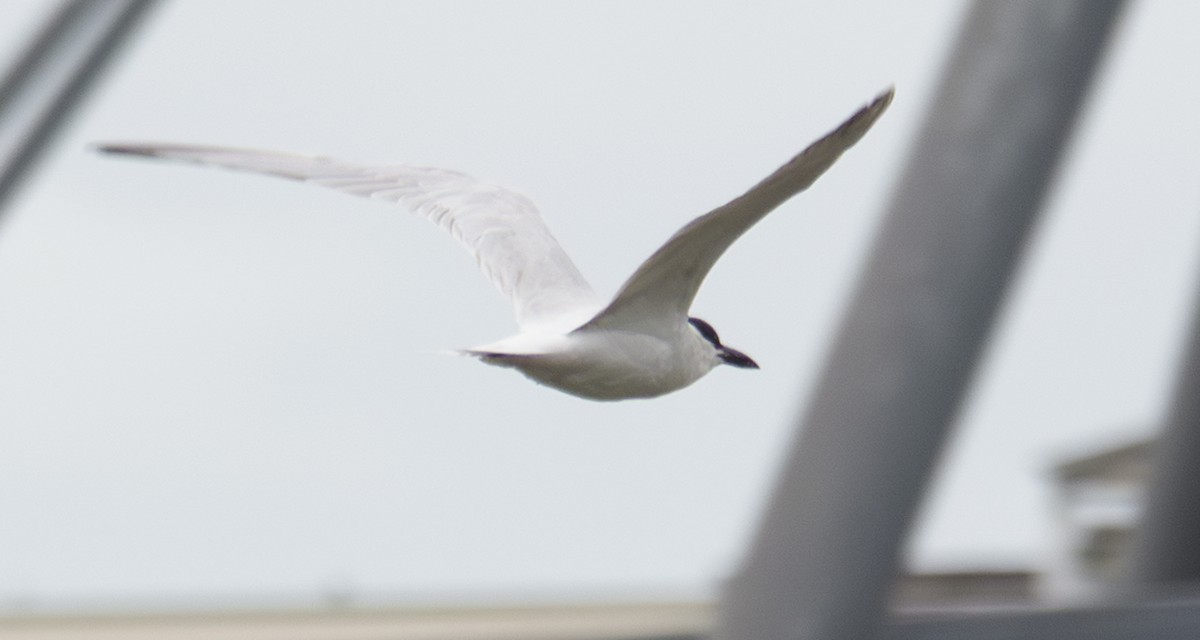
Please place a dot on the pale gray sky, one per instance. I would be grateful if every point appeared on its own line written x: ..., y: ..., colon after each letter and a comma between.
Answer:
x: 226, y: 384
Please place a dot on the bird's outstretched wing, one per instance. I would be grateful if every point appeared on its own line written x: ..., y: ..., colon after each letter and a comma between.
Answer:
x: 501, y: 228
x: 656, y: 298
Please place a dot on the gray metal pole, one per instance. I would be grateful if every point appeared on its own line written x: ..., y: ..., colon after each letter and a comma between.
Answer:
x: 39, y: 92
x: 827, y: 549
x: 1167, y: 548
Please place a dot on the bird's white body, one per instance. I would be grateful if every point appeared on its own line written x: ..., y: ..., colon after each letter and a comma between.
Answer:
x: 606, y: 364
x: 641, y: 343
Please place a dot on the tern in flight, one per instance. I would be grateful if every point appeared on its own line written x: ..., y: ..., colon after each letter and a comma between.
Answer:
x: 640, y: 344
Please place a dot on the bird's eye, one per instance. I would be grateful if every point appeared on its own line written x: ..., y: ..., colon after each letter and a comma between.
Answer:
x: 706, y: 330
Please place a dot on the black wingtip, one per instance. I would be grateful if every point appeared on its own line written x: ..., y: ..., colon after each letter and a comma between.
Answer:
x: 122, y: 149
x: 857, y: 125
x: 870, y: 113
x: 884, y: 98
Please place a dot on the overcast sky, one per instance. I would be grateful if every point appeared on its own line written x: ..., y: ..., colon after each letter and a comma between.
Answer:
x: 216, y: 384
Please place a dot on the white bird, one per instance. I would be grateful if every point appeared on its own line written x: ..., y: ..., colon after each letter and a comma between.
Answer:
x: 642, y: 343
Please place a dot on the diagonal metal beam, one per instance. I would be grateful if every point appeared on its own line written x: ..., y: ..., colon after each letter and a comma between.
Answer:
x: 46, y: 83
x: 827, y: 549
x: 1166, y: 551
